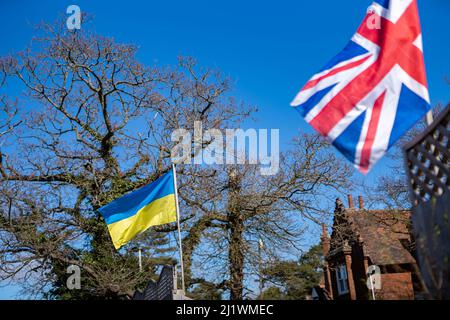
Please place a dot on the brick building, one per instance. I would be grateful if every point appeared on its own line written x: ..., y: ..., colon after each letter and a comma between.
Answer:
x: 361, y: 238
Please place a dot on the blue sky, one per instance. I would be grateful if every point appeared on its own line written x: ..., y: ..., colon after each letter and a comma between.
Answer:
x: 270, y: 48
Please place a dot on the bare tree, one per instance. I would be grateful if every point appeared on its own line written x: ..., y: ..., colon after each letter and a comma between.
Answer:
x: 235, y: 207
x: 96, y: 124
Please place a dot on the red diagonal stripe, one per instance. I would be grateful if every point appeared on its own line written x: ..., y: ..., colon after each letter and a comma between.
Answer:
x: 371, y: 133
x: 314, y: 82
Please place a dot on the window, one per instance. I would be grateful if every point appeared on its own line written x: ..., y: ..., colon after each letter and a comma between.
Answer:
x: 341, y: 277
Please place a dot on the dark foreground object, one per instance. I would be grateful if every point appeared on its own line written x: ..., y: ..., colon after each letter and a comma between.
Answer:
x: 428, y: 166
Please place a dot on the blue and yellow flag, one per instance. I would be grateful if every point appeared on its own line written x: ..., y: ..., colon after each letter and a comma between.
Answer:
x: 135, y: 212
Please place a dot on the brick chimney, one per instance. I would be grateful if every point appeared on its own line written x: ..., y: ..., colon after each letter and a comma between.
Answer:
x: 361, y: 202
x: 325, y: 240
x: 350, y: 201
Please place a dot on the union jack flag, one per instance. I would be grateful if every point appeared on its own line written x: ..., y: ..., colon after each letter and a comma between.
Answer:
x: 375, y: 90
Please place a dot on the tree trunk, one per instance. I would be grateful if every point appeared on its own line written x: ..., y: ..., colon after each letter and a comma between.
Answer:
x: 236, y: 247
x: 236, y: 258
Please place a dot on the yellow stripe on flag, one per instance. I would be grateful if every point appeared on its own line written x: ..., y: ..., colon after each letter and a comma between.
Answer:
x: 160, y: 211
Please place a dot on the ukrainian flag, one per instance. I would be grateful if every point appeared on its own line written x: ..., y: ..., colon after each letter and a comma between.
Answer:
x: 135, y: 212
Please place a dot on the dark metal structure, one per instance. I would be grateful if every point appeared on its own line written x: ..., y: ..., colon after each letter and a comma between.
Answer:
x: 427, y: 161
x: 163, y: 289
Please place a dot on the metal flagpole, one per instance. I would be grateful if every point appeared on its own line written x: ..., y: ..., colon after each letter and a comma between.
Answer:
x: 430, y: 117
x: 178, y: 226
x: 140, y: 259
x: 372, y: 286
x: 260, y: 267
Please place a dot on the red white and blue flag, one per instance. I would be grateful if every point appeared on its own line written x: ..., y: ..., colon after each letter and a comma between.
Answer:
x: 375, y: 90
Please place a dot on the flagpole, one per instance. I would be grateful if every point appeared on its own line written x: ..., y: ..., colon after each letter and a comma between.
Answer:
x: 178, y: 226
x: 372, y: 287
x: 260, y: 267
x: 430, y: 117
x: 140, y: 259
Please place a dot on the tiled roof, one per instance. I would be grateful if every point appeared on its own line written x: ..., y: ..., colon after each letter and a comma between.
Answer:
x: 384, y: 232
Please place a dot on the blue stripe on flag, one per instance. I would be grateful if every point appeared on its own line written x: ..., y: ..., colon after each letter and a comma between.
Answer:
x: 351, y: 50
x: 347, y: 141
x: 411, y: 109
x: 132, y: 202
x: 304, y: 108
x: 384, y: 3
